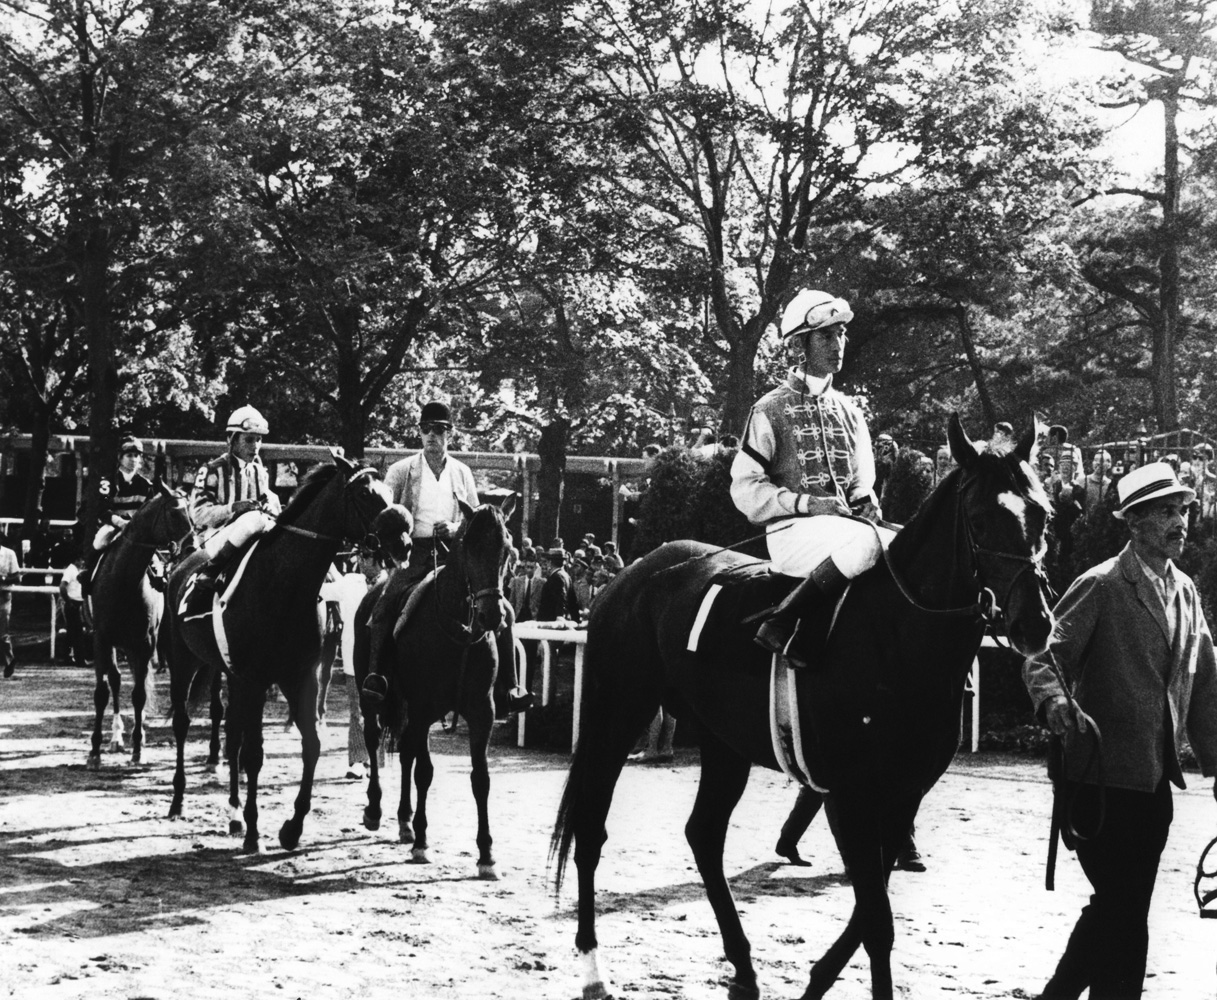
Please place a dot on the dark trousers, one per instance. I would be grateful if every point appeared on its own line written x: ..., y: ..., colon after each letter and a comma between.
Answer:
x: 806, y: 807
x: 1109, y: 943
x: 804, y: 810
x: 80, y: 639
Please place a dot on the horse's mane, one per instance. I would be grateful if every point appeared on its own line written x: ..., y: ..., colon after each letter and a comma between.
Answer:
x: 314, y: 481
x: 473, y: 528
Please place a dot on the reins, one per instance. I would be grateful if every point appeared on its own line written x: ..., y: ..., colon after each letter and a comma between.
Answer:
x: 467, y: 636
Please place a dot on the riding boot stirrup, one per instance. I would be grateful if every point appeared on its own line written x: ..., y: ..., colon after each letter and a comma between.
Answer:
x: 778, y: 631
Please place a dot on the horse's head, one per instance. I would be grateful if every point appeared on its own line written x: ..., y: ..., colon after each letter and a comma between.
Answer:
x: 164, y: 519
x: 1004, y: 512
x: 363, y: 497
x: 484, y: 544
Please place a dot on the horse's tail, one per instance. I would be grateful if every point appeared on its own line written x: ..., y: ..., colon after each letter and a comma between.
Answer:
x: 568, y: 812
x: 200, y: 688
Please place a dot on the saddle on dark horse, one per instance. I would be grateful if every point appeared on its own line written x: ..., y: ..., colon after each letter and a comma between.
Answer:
x: 398, y: 597
x: 723, y: 631
x: 734, y: 602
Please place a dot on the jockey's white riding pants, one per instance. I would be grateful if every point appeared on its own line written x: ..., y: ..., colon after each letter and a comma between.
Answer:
x: 238, y: 531
x: 104, y: 535
x: 799, y: 544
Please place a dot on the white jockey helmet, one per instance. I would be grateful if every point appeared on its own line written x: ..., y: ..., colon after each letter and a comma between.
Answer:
x: 247, y: 419
x: 811, y: 310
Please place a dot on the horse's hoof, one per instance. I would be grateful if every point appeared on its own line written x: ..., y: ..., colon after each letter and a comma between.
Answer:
x: 116, y: 746
x: 175, y: 811
x: 289, y: 836
x: 250, y: 847
x: 135, y: 757
x: 370, y: 820
x: 487, y: 872
x: 211, y: 767
x: 739, y: 991
x: 405, y: 834
x: 235, y: 828
x: 596, y: 991
x: 94, y: 762
x: 419, y: 856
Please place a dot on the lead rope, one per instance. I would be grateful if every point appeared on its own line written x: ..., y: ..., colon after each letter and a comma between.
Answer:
x: 1063, y: 826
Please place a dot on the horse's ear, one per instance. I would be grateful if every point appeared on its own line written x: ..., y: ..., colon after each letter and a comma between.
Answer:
x: 962, y: 449
x: 1026, y: 444
x: 508, y: 508
x: 161, y: 487
x: 340, y: 460
x: 465, y: 509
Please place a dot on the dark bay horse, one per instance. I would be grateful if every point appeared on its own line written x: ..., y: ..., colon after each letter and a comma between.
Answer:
x: 880, y: 711
x: 126, y: 611
x: 446, y: 659
x: 273, y: 624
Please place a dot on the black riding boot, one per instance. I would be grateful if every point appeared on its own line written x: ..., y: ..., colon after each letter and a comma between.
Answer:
x: 208, y: 575
x: 777, y: 631
x: 375, y: 684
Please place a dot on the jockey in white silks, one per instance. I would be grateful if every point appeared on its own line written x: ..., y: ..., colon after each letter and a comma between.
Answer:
x: 232, y: 500
x: 804, y: 465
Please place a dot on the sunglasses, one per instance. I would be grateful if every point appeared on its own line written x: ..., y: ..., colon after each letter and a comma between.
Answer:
x: 433, y: 428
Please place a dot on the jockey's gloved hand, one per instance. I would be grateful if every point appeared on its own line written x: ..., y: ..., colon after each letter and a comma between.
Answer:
x: 244, y: 507
x: 827, y: 505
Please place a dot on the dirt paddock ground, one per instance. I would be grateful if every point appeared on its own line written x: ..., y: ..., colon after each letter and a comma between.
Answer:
x: 101, y: 896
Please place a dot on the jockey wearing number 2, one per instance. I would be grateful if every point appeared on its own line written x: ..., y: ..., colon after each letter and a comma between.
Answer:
x: 232, y: 500
x: 804, y: 466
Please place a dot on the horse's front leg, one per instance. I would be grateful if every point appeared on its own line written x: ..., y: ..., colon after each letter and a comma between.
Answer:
x: 868, y: 853
x: 372, y: 735
x: 480, y: 724
x: 117, y: 726
x: 179, y: 687
x: 307, y: 717
x: 234, y: 736
x: 409, y: 753
x: 104, y: 666
x: 250, y: 758
x: 139, y: 698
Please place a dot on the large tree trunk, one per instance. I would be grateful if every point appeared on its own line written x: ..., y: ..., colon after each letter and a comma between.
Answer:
x: 103, y: 371
x: 739, y: 391
x: 978, y: 373
x: 551, y: 479
x: 352, y: 410
x: 1166, y: 404
x: 40, y: 437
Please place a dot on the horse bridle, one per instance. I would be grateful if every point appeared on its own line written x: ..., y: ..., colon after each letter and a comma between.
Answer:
x: 175, y: 545
x: 986, y: 607
x: 472, y: 597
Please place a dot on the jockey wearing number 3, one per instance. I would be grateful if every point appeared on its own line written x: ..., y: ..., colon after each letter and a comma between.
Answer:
x: 232, y: 500
x: 804, y: 466
x: 120, y: 498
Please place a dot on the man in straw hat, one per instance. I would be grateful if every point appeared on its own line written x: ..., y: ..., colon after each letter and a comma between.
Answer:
x: 1133, y: 646
x: 804, y: 466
